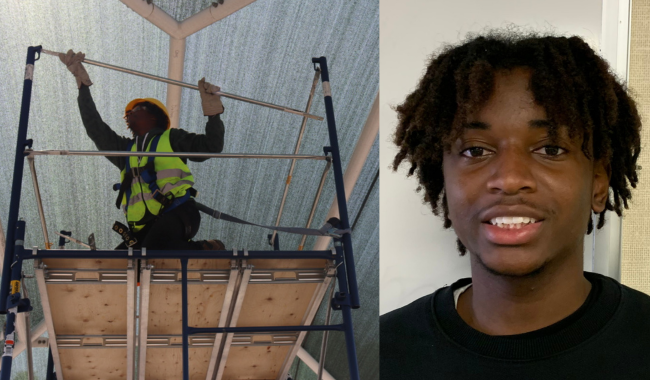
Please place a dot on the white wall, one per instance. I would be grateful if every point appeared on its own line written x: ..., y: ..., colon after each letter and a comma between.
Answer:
x: 417, y: 254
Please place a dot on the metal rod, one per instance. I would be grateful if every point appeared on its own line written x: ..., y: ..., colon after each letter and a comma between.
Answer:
x: 16, y: 186
x: 342, y: 278
x: 186, y: 347
x: 145, y: 286
x: 27, y: 254
x: 296, y: 150
x: 315, y: 204
x: 264, y: 329
x: 110, y: 153
x: 130, y: 319
x: 323, y: 347
x: 353, y: 289
x: 73, y: 239
x: 28, y: 338
x: 39, y: 202
x: 349, y: 342
x: 346, y: 274
x: 191, y: 86
x: 13, y: 302
x: 244, y: 280
x: 39, y: 270
x: 224, y: 318
x: 49, y: 374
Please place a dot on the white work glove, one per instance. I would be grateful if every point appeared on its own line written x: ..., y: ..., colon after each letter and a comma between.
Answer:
x: 210, y: 102
x: 73, y: 61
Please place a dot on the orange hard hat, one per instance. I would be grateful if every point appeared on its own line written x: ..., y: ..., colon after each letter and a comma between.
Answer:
x: 153, y: 101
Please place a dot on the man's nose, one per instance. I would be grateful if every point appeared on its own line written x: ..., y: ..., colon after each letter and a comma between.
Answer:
x: 511, y: 172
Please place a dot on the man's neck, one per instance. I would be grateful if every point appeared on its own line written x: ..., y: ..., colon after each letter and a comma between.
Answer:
x: 498, y: 305
x: 143, y: 133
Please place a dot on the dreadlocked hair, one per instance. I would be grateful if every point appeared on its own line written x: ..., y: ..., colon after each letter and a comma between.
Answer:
x: 568, y: 79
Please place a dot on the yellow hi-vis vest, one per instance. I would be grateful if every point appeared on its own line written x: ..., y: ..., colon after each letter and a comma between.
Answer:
x: 173, y: 179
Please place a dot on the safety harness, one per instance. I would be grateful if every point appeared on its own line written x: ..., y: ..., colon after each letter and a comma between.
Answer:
x: 330, y: 228
x: 148, y: 175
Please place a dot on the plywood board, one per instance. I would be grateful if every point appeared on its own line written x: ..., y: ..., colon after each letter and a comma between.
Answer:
x: 191, y: 264
x: 255, y: 362
x: 86, y: 263
x: 167, y: 363
x: 100, y: 309
x: 95, y: 364
x: 165, y: 311
x: 275, y: 304
x: 88, y: 309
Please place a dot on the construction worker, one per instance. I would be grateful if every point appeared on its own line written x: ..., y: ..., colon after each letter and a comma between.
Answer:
x: 155, y: 193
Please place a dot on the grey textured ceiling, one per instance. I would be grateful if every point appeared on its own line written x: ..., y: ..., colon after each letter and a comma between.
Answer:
x: 263, y: 52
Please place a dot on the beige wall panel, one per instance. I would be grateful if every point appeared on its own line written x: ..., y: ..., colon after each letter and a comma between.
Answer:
x: 635, y: 234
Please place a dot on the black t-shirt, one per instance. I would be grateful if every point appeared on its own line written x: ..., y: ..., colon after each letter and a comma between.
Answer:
x: 608, y: 337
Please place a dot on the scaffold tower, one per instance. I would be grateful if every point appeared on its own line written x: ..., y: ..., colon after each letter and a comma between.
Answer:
x: 163, y: 314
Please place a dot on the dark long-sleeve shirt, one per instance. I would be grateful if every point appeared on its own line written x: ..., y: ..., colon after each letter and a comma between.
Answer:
x: 181, y: 141
x: 607, y: 338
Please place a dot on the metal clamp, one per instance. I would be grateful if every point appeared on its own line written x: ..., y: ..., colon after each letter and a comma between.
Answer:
x: 340, y: 299
x: 144, y: 251
x: 130, y: 251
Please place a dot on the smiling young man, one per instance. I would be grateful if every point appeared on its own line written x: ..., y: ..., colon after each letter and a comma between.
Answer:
x: 517, y: 141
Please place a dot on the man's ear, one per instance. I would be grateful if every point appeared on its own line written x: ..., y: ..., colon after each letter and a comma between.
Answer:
x: 600, y: 193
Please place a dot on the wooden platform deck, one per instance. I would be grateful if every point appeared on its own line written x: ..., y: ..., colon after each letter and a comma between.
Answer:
x: 122, y: 319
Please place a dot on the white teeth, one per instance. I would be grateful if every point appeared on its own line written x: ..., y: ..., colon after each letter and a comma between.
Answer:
x: 511, y: 221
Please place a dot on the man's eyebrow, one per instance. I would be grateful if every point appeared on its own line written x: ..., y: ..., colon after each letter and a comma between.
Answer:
x: 476, y: 125
x: 542, y: 123
x: 536, y: 123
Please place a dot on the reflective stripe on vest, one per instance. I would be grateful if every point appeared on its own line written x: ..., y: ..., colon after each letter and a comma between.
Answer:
x: 173, y: 179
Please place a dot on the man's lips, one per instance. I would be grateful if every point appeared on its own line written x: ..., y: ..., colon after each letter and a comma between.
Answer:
x: 511, y: 236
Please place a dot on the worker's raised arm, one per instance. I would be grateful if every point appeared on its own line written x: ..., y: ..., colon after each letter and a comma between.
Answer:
x: 98, y: 131
x: 212, y: 140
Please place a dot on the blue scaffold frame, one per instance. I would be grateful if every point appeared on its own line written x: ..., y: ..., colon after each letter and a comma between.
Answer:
x: 11, y: 302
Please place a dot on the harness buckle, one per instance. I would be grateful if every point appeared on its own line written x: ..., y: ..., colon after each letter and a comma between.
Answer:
x: 135, y: 171
x: 160, y: 197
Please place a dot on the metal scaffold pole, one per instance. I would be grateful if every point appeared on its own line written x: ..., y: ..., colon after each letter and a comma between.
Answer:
x: 348, y: 296
x: 186, y: 351
x: 11, y: 271
x: 19, y: 163
x: 192, y: 86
